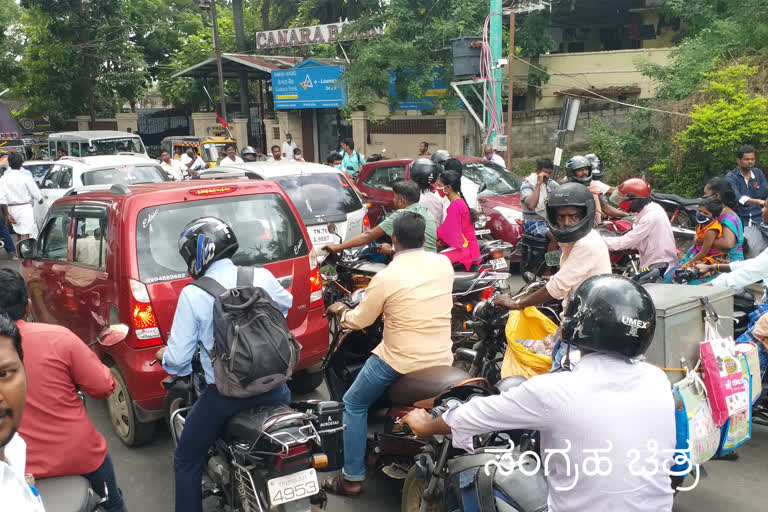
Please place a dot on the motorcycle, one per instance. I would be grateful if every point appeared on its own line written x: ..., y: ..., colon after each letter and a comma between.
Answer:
x: 353, y: 270
x: 443, y: 478
x: 349, y: 350
x: 681, y: 211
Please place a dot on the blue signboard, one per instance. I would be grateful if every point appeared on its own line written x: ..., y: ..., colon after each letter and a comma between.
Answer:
x: 428, y: 102
x: 308, y: 87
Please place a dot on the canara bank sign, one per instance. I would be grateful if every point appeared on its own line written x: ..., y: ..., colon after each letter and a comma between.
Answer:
x: 318, y: 34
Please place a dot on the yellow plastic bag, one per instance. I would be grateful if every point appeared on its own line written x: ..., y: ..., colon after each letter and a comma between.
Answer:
x: 528, y: 324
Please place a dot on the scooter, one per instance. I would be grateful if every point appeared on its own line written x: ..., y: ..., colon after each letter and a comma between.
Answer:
x: 390, y: 449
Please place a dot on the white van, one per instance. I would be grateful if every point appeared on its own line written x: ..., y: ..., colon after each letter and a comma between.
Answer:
x: 106, y: 142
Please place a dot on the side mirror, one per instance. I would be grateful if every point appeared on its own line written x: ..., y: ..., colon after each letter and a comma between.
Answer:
x: 27, y: 248
x: 113, y: 334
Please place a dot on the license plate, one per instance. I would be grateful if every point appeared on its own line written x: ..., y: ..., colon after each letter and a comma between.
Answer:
x: 293, y: 487
x: 481, y: 232
x: 499, y: 264
x: 320, y: 235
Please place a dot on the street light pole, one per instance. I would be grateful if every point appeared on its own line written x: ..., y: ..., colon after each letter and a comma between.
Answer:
x: 217, y: 51
x: 495, y: 56
x: 510, y: 93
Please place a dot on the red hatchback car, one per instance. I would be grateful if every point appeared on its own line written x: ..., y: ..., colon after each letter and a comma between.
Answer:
x: 484, y: 183
x: 111, y: 257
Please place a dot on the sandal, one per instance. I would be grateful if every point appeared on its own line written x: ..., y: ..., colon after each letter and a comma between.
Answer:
x: 340, y: 486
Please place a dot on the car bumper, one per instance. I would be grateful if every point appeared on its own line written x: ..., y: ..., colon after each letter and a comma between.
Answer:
x: 144, y: 382
x: 313, y: 337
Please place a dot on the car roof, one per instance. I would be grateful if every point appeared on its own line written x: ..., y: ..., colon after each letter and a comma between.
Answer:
x: 168, y: 188
x: 105, y: 161
x: 193, y: 138
x: 269, y: 170
x: 38, y: 162
x: 92, y: 134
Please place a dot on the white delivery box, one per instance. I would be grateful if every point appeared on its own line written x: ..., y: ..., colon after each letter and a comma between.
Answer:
x: 680, y: 323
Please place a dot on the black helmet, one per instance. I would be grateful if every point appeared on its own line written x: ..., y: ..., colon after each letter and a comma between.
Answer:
x: 424, y: 171
x: 575, y: 163
x: 597, y: 166
x: 571, y: 194
x: 610, y: 314
x: 204, y: 241
x: 440, y: 156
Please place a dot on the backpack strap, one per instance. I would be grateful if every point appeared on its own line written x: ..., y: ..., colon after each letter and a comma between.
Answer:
x: 209, y: 285
x: 244, y: 277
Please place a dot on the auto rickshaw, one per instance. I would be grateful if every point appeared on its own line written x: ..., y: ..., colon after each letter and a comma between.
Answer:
x: 210, y: 149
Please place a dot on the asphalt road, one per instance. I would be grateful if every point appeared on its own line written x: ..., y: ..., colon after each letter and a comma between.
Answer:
x: 145, y: 474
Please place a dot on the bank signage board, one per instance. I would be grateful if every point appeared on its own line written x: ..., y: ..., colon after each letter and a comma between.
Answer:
x: 310, y: 87
x: 317, y: 34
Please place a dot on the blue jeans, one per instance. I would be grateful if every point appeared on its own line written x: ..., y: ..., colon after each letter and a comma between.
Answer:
x: 204, y: 423
x: 375, y: 377
x: 106, y: 475
x: 5, y: 236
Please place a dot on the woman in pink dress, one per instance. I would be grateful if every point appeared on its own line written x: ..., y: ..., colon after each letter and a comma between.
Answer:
x: 457, y: 230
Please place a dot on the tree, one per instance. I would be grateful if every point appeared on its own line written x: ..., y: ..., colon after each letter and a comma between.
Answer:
x: 11, y: 42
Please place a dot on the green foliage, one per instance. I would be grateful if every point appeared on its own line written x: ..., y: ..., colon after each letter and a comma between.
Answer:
x: 11, y: 42
x: 631, y: 151
x: 533, y: 38
x: 731, y: 116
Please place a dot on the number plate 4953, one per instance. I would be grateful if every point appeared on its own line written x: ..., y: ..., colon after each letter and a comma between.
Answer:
x: 293, y: 487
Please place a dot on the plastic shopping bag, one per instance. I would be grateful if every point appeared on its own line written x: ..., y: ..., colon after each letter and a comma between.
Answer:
x: 528, y: 324
x: 727, y: 389
x: 738, y: 429
x: 752, y: 360
x: 697, y: 433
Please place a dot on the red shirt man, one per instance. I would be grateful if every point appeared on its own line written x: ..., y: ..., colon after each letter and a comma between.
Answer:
x: 61, y: 440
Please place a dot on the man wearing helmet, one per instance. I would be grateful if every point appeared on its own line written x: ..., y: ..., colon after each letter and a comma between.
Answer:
x: 440, y: 156
x: 651, y: 234
x: 610, y: 402
x: 570, y: 215
x: 249, y: 154
x: 598, y: 174
x: 579, y: 170
x: 207, y: 246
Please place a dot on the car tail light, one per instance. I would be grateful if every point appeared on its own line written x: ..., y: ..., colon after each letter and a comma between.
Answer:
x: 143, y: 317
x: 487, y: 293
x: 296, y: 458
x: 212, y: 191
x: 366, y: 222
x: 315, y: 282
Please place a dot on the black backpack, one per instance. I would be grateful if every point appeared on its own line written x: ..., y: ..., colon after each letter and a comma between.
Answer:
x: 253, y: 349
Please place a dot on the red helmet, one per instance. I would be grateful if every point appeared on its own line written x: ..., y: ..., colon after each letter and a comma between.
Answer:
x: 635, y: 187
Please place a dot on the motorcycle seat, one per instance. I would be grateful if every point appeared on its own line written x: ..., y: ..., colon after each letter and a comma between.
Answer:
x: 65, y: 493
x: 463, y: 280
x: 677, y: 199
x: 248, y: 425
x: 423, y: 384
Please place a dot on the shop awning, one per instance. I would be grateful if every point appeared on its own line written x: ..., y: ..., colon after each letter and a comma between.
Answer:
x: 258, y: 67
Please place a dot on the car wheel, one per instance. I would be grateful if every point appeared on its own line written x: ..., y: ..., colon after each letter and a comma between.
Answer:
x: 174, y: 404
x: 120, y: 404
x: 305, y: 382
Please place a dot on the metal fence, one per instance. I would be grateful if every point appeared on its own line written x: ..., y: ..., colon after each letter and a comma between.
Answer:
x: 156, y: 124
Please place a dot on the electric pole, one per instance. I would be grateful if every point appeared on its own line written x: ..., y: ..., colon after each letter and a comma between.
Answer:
x: 217, y: 51
x: 237, y: 14
x: 495, y: 56
x: 510, y: 93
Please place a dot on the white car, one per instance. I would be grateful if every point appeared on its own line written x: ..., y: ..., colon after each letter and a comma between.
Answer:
x: 38, y: 168
x: 69, y: 173
x: 325, y: 199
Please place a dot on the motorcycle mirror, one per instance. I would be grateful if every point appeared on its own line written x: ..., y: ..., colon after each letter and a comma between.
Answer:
x: 357, y: 297
x: 112, y: 335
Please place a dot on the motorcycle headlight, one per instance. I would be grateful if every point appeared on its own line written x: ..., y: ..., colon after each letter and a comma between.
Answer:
x: 510, y: 215
x: 482, y: 220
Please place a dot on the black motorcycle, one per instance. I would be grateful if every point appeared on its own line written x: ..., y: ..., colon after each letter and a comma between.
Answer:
x: 267, y: 457
x: 681, y: 211
x: 446, y: 479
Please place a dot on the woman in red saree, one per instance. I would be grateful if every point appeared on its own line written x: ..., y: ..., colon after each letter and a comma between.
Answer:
x: 457, y: 230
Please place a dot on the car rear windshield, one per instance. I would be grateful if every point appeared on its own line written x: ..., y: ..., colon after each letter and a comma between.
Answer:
x: 266, y: 230
x: 115, y: 146
x: 321, y: 195
x: 497, y: 181
x: 128, y: 175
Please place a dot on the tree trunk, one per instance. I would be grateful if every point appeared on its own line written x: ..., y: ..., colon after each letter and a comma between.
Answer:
x: 265, y: 8
x: 87, y: 79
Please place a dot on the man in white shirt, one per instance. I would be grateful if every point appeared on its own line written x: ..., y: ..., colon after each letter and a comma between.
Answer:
x: 275, y: 156
x: 192, y: 162
x: 15, y: 493
x: 607, y: 427
x: 171, y: 166
x: 288, y: 147
x: 17, y: 193
x: 491, y: 155
x: 231, y: 158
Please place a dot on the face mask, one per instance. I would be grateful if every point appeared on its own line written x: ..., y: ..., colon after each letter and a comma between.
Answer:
x: 703, y: 219
x: 440, y: 191
x: 337, y: 166
x: 626, y: 205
